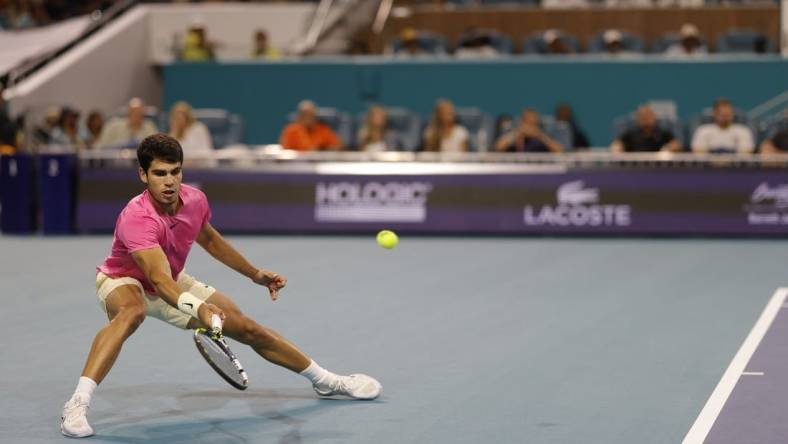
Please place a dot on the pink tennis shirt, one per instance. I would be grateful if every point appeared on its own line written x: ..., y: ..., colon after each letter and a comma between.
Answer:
x: 140, y: 227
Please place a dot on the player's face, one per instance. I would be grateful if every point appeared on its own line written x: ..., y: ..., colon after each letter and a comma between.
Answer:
x: 164, y: 182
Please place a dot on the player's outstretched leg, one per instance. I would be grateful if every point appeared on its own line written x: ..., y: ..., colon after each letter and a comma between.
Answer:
x: 278, y: 350
x: 126, y: 310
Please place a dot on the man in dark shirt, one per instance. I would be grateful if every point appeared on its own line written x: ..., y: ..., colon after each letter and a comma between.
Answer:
x: 646, y: 136
x: 778, y: 143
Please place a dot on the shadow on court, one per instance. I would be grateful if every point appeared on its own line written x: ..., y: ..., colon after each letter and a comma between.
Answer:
x: 271, y: 420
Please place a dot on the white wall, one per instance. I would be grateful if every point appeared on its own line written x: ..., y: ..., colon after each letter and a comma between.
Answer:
x: 101, y: 72
x: 231, y: 25
x: 119, y: 61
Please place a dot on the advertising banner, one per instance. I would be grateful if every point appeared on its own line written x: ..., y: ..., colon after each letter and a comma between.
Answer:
x: 583, y: 201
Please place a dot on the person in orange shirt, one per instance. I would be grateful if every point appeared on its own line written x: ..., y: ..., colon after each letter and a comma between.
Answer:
x: 307, y: 133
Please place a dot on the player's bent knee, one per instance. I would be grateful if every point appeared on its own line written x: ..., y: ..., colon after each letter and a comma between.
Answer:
x: 253, y: 333
x: 130, y: 317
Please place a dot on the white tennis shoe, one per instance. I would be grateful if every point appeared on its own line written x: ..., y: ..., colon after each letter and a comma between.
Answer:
x: 356, y: 386
x: 74, y: 419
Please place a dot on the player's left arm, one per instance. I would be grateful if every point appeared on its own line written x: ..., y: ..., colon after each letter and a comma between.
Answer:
x: 218, y: 247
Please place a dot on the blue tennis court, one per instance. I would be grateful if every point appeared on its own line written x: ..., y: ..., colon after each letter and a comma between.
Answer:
x: 474, y: 339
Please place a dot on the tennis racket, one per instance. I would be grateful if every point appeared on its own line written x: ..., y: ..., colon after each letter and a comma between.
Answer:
x: 214, y: 349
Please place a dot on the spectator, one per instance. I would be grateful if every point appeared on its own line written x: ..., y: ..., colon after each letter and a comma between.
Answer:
x: 191, y: 134
x: 410, y: 45
x: 503, y: 124
x: 528, y: 136
x: 43, y: 132
x: 646, y: 135
x: 444, y: 133
x: 555, y: 42
x: 307, y: 133
x: 262, y: 50
x: 477, y: 43
x: 690, y: 44
x: 375, y: 134
x: 778, y: 143
x: 67, y: 131
x: 93, y: 126
x: 129, y: 131
x: 196, y: 47
x: 564, y: 113
x: 723, y: 135
x: 8, y: 129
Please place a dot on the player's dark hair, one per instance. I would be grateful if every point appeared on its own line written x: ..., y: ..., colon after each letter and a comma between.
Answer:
x: 722, y: 102
x: 159, y: 146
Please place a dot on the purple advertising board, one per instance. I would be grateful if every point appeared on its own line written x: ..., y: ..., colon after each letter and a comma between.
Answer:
x: 683, y: 201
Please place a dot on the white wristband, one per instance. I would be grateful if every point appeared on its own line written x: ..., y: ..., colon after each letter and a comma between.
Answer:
x: 189, y: 304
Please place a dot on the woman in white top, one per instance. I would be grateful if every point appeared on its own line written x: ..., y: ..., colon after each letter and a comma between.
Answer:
x: 191, y: 134
x: 443, y: 133
x: 375, y: 135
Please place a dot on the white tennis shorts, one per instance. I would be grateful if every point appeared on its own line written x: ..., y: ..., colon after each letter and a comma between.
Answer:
x: 154, y: 305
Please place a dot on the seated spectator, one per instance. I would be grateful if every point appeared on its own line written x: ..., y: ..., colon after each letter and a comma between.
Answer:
x: 129, y: 131
x: 410, y: 44
x: 646, y: 135
x: 307, y: 133
x: 690, y: 44
x: 564, y: 113
x: 776, y: 144
x: 191, y: 134
x: 262, y: 50
x: 196, y: 47
x: 528, y: 137
x: 67, y: 131
x: 723, y: 135
x: 503, y: 124
x: 92, y: 130
x: 43, y: 133
x: 375, y: 134
x: 555, y: 42
x: 443, y: 133
x: 477, y: 44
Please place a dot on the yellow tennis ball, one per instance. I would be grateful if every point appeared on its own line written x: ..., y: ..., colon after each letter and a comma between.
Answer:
x: 387, y: 239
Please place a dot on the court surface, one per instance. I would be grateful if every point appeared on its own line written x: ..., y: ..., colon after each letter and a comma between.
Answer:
x: 474, y: 340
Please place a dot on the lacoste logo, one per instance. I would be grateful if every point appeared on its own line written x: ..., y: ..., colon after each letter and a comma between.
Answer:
x: 574, y: 193
x: 189, y: 304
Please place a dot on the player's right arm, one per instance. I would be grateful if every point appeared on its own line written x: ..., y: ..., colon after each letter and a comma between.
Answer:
x: 153, y: 263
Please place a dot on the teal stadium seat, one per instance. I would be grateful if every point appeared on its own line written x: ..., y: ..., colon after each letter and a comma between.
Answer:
x: 480, y: 127
x: 744, y: 41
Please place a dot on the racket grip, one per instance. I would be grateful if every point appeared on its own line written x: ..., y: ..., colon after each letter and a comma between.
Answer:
x: 216, y: 323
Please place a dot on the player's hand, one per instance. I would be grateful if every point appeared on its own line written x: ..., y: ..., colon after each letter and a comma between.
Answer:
x: 273, y: 281
x: 207, y: 310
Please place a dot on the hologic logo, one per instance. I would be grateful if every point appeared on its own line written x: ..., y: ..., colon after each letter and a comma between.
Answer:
x: 371, y: 201
x: 578, y: 206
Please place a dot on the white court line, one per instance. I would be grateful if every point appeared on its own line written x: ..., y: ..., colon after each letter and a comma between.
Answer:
x: 702, y: 426
x: 752, y: 373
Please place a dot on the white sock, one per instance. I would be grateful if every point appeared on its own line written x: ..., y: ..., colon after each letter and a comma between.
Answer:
x: 318, y: 375
x: 85, y: 387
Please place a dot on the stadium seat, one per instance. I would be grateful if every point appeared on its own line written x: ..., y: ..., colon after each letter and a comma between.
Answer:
x: 501, y: 42
x: 768, y: 127
x: 225, y: 128
x: 404, y: 123
x: 535, y: 44
x: 479, y: 125
x: 744, y: 41
x: 630, y: 42
x: 666, y: 41
x: 429, y: 42
x: 558, y: 130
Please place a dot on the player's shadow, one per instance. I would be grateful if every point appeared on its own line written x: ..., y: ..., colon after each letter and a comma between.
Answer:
x: 126, y: 419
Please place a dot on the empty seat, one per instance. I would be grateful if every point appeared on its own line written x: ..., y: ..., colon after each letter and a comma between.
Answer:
x: 744, y: 41
x: 225, y: 128
x: 480, y: 127
x: 501, y: 43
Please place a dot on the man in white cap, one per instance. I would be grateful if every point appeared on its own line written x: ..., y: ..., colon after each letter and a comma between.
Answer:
x: 690, y: 44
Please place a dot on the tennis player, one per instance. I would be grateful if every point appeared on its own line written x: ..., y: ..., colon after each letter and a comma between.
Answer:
x: 144, y: 276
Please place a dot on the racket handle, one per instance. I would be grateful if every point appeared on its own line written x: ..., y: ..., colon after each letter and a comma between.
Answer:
x: 216, y: 323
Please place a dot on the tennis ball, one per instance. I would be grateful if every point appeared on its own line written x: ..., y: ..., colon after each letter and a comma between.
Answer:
x: 387, y: 239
